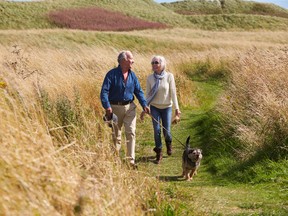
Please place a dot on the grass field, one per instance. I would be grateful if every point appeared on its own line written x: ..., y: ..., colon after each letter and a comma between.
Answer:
x: 56, y: 157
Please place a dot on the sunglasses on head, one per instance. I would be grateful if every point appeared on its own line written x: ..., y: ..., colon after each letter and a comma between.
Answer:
x: 155, y: 62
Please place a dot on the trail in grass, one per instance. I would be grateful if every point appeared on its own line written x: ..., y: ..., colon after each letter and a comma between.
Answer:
x: 206, y: 194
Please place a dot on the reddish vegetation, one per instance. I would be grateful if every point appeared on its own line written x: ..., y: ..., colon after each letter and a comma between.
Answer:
x: 100, y: 19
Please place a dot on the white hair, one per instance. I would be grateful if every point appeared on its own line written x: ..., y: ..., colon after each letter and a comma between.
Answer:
x: 122, y: 55
x: 162, y: 61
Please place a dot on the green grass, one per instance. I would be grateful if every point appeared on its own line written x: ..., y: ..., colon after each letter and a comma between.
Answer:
x: 228, y: 7
x: 223, y: 186
x: 74, y: 39
x: 238, y: 21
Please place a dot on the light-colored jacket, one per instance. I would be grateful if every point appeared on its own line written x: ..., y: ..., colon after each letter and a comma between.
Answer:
x: 166, y: 95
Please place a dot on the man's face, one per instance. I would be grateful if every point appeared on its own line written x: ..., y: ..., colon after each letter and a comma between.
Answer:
x: 127, y: 64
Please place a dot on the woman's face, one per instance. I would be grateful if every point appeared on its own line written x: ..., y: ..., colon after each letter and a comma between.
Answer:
x: 156, y: 66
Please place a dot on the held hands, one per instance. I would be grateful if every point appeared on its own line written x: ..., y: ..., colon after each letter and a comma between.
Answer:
x: 142, y: 115
x: 146, y: 110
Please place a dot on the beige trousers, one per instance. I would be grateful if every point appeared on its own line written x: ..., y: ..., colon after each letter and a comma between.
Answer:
x: 126, y: 116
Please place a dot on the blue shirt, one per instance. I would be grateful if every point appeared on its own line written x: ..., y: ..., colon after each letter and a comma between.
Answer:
x: 115, y: 89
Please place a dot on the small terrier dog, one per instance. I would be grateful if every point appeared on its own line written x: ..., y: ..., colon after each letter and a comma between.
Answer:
x: 190, y: 161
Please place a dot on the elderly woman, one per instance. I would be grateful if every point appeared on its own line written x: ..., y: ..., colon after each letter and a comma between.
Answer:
x: 161, y: 96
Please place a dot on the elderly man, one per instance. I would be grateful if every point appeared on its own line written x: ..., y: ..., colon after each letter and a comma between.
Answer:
x: 117, y: 97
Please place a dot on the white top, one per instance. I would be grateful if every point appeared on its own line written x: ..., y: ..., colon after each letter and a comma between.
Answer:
x: 166, y: 95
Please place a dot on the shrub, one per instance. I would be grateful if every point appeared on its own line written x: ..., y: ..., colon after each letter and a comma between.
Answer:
x: 205, y: 70
x: 99, y: 19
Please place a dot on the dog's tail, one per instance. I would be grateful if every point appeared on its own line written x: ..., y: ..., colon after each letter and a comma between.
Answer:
x: 187, y: 142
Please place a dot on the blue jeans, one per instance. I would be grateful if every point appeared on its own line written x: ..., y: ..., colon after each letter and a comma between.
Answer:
x: 161, y: 116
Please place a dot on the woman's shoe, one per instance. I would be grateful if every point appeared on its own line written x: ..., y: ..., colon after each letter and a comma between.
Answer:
x: 159, y: 154
x: 169, y: 148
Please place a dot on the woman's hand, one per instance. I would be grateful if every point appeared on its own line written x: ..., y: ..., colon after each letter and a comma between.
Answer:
x: 177, y: 113
x: 142, y: 115
x: 176, y: 119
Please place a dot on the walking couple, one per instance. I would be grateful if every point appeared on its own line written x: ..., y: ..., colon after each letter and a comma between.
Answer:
x: 119, y: 87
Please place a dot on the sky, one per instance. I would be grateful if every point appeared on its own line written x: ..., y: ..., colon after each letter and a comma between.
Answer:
x: 281, y: 3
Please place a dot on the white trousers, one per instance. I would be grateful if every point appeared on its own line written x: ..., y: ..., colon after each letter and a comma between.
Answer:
x: 126, y: 116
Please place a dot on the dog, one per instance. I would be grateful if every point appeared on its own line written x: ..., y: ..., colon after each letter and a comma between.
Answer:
x: 190, y: 161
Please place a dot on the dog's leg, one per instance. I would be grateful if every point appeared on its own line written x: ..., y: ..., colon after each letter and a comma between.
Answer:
x: 192, y: 173
x: 183, y: 169
x: 188, y: 176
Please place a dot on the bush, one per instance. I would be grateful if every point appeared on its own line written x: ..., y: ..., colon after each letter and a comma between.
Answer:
x: 205, y: 70
x: 100, y: 19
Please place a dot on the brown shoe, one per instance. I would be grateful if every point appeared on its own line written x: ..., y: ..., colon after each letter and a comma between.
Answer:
x: 169, y: 148
x: 159, y: 155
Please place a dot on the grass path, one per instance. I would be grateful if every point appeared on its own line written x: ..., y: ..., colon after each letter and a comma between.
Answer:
x: 206, y: 194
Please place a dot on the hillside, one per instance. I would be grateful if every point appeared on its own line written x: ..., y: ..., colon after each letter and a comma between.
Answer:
x: 233, y: 15
x: 191, y: 7
x: 34, y: 15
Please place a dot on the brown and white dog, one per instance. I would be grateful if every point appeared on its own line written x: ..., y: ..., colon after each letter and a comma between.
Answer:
x: 190, y: 161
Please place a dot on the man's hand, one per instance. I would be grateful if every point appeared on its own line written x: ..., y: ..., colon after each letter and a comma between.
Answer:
x: 142, y: 115
x: 109, y: 113
x: 147, y: 110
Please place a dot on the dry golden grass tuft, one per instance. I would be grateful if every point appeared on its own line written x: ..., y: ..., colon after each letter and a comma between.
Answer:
x: 41, y: 175
x: 255, y: 106
x: 34, y: 178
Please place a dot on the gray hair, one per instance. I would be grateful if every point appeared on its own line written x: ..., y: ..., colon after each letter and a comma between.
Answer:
x: 122, y: 55
x: 162, y: 61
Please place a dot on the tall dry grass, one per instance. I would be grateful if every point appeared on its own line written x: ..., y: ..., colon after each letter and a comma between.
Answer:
x: 45, y: 170
x: 255, y: 107
x: 51, y: 166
